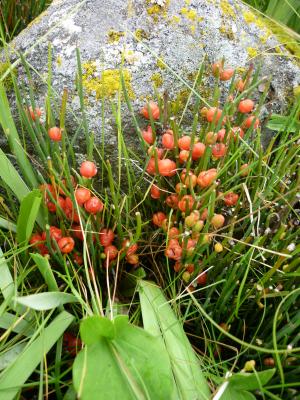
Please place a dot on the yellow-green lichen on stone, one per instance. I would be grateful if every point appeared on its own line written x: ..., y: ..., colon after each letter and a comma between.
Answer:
x: 227, y: 31
x: 227, y: 9
x: 114, y: 36
x: 161, y: 64
x: 141, y: 34
x: 252, y: 52
x: 107, y: 84
x: 156, y: 10
x: 157, y: 79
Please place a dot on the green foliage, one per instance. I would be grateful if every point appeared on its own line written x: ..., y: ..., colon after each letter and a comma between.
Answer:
x: 29, y: 210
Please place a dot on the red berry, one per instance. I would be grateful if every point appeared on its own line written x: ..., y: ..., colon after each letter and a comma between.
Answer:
x: 148, y: 135
x: 183, y: 156
x: 198, y: 150
x: 156, y: 150
x: 236, y: 132
x: 246, y: 106
x: 66, y: 244
x: 82, y: 195
x: 158, y: 218
x: 71, y: 343
x: 93, y: 205
x: 77, y: 232
x: 217, y: 221
x: 217, y: 68
x: 154, y: 110
x: 166, y: 167
x: 36, y: 240
x: 106, y: 236
x: 172, y: 200
x: 248, y: 122
x: 88, y: 169
x: 111, y: 252
x: 218, y: 150
x: 184, y: 143
x: 168, y: 141
x: 155, y: 192
x: 77, y: 257
x: 55, y: 134
x: 132, y: 259
x: 186, y: 203
x: 221, y: 135
x: 240, y: 85
x: 129, y: 248
x: 230, y: 199
x: 202, y: 278
x: 213, y: 113
x: 226, y: 74
x: 206, y: 178
x: 151, y: 166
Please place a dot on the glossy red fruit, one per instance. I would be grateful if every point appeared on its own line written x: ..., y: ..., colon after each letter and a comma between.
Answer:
x: 72, y: 215
x: 184, y: 143
x: 68, y: 203
x: 36, y: 240
x: 206, y: 178
x: 168, y: 141
x: 93, y: 205
x: 213, y: 113
x: 154, y: 110
x: 198, y: 150
x: 55, y: 134
x: 173, y: 251
x: 156, y: 150
x: 217, y: 68
x: 173, y: 233
x: 66, y: 244
x: 183, y: 156
x: 226, y: 74
x: 172, y: 200
x: 230, y: 199
x: 48, y: 191
x: 82, y: 195
x: 151, y: 166
x: 221, y: 135
x: 237, y: 132
x: 148, y: 135
x: 77, y: 257
x: 248, y: 122
x: 186, y: 203
x: 166, y: 167
x: 132, y: 259
x: 35, y: 114
x: 54, y: 232
x: 111, y: 252
x: 155, y: 192
x: 240, y: 85
x: 88, y: 169
x: 202, y: 279
x: 129, y: 248
x: 246, y: 106
x: 218, y: 150
x: 106, y: 236
x: 77, y: 232
x: 158, y: 218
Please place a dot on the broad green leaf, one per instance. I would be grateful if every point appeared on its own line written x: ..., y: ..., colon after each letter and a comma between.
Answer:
x: 7, y: 320
x: 10, y: 131
x: 280, y: 122
x: 231, y: 393
x: 160, y: 320
x: 46, y: 301
x: 28, y: 213
x: 12, y: 378
x: 251, y: 381
x: 94, y: 328
x: 46, y: 271
x: 132, y: 365
x: 11, y: 177
x: 10, y: 355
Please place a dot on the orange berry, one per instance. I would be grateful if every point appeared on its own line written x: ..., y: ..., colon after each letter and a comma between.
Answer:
x: 172, y: 200
x: 244, y: 169
x: 183, y: 156
x: 88, y: 169
x: 166, y: 167
x: 148, y: 135
x: 82, y: 195
x: 154, y: 110
x: 158, y: 218
x: 221, y: 135
x: 217, y: 221
x: 173, y: 232
x: 111, y: 252
x: 155, y: 192
x: 236, y: 132
x: 55, y: 134
x: 151, y: 166
x: 66, y: 244
x: 219, y: 150
x: 132, y: 259
x: 174, y: 252
x: 106, y: 236
x: 230, y: 199
x: 213, y: 113
x: 186, y: 203
x: 202, y: 278
x: 184, y: 143
x: 35, y: 114
x: 168, y: 141
x: 198, y: 150
x: 217, y: 68
x: 240, y: 85
x: 210, y: 138
x: 248, y: 122
x: 227, y: 74
x: 246, y: 106
x: 206, y: 178
x: 93, y: 205
x: 159, y: 152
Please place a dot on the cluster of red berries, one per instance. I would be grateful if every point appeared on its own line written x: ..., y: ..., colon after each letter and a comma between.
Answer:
x: 184, y: 225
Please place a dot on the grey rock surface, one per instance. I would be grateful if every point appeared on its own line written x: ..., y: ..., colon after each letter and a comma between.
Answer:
x: 179, y: 32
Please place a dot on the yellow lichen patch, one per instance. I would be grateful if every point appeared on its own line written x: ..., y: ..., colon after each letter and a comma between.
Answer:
x: 157, y: 79
x: 178, y: 104
x: 252, y: 52
x: 114, y: 36
x: 227, y: 9
x: 192, y: 29
x: 160, y: 63
x: 156, y: 10
x: 252, y: 18
x: 227, y: 31
x: 107, y: 84
x: 7, y: 81
x: 175, y: 19
x: 189, y: 13
x: 296, y: 91
x: 141, y: 34
x: 59, y: 61
x: 187, y: 2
